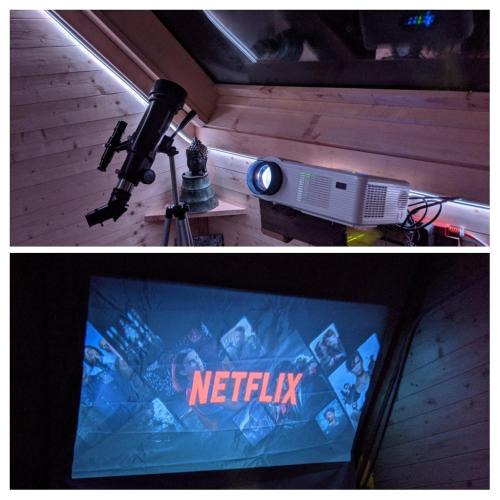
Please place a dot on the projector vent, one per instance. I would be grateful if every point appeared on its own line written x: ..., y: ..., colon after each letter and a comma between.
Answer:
x: 375, y: 201
x: 403, y: 200
x: 314, y: 189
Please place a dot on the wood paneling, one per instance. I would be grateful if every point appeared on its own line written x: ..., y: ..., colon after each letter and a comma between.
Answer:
x: 389, y: 97
x: 402, y: 138
x: 467, y: 385
x: 444, y: 473
x: 448, y: 366
x: 440, y: 445
x: 64, y: 106
x: 453, y: 118
x: 27, y: 14
x: 45, y: 88
x: 50, y: 60
x: 449, y: 417
x: 433, y: 341
x: 44, y: 115
x: 464, y: 484
x: 34, y: 33
x: 64, y: 138
x: 438, y: 433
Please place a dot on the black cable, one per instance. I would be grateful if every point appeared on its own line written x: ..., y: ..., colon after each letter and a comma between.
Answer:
x: 413, y: 222
x: 419, y: 224
x: 414, y: 211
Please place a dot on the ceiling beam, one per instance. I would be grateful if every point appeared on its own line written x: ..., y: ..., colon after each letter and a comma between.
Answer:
x: 138, y: 45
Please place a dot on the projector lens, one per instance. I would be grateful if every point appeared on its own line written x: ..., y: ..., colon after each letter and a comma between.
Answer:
x: 264, y: 177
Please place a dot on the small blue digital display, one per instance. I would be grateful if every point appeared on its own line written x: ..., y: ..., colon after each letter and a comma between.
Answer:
x: 426, y: 19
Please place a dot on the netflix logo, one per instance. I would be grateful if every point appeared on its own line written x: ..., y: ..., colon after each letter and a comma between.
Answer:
x: 212, y: 387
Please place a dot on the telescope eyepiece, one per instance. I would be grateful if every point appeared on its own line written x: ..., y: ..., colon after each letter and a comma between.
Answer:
x: 115, y: 208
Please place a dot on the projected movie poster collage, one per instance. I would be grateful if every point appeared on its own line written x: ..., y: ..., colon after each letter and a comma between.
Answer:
x: 350, y: 377
x: 179, y: 378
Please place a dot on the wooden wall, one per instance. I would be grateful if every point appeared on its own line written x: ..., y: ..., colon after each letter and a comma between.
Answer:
x: 438, y: 434
x: 64, y: 105
x: 438, y: 141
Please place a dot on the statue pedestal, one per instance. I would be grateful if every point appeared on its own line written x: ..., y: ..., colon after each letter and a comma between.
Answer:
x: 197, y: 192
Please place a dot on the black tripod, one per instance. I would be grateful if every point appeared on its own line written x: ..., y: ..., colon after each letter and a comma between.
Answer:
x: 178, y: 211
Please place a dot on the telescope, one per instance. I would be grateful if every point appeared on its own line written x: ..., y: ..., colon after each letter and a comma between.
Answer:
x: 166, y: 98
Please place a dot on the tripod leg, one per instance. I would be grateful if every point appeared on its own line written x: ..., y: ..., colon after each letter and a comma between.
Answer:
x: 173, y: 179
x: 166, y: 230
x: 181, y: 235
x: 185, y: 230
x: 189, y: 233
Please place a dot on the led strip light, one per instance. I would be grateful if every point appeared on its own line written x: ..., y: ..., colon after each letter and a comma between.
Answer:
x: 246, y: 51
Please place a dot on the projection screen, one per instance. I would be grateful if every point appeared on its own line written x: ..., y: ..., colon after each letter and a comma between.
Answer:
x: 181, y: 378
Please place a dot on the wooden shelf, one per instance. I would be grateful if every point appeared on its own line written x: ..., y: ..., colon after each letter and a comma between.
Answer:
x: 224, y: 209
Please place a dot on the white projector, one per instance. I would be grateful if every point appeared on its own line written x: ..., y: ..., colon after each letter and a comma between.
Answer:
x: 344, y: 197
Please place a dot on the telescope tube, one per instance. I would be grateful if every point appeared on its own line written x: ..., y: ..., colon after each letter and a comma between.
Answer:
x: 166, y: 98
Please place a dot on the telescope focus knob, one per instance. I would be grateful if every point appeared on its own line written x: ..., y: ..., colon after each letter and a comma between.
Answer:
x: 148, y: 176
